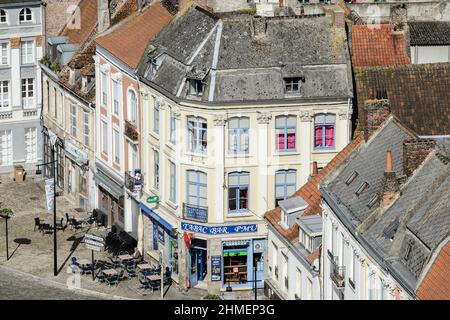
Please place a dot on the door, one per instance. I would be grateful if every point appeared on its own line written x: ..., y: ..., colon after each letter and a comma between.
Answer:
x: 194, y: 268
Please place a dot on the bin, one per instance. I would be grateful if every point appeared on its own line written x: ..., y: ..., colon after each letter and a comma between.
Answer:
x: 19, y: 172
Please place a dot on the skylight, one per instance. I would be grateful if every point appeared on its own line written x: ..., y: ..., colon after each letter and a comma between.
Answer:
x: 372, y: 201
x: 361, y: 189
x: 351, y: 178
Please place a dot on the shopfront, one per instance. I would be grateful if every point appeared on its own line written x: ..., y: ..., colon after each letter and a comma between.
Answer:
x: 77, y: 173
x: 110, y: 199
x: 49, y: 139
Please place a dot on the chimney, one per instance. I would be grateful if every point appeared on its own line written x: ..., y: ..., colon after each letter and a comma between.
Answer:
x: 390, y: 183
x: 399, y: 18
x: 259, y: 27
x: 103, y: 15
x: 376, y: 112
x: 414, y: 153
x: 315, y: 170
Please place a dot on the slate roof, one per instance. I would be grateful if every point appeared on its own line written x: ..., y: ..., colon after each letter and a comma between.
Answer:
x: 419, y: 94
x: 429, y: 33
x: 135, y: 33
x: 420, y: 213
x: 238, y: 66
x: 375, y: 45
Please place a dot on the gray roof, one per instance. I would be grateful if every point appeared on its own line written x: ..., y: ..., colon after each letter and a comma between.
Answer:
x: 429, y: 33
x: 237, y: 66
x: 416, y: 222
x: 311, y: 224
x: 293, y: 204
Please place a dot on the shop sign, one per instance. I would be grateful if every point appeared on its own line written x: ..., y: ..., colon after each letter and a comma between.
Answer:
x: 153, y: 199
x: 137, y: 180
x: 216, y: 268
x: 79, y: 155
x: 161, y: 236
x: 50, y: 193
x: 196, y: 228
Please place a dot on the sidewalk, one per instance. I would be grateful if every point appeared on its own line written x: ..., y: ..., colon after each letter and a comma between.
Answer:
x: 27, y: 200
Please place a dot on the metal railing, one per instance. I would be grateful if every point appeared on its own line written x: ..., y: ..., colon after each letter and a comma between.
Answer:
x: 337, y: 273
x: 196, y: 213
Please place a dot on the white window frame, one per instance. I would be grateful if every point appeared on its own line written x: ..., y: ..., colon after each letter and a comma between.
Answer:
x: 27, y: 15
x: 6, y: 138
x: 116, y: 97
x: 86, y: 130
x: 132, y: 108
x: 156, y: 169
x: 173, y: 182
x: 156, y: 116
x: 73, y: 119
x: 116, y: 144
x: 5, y: 98
x: 3, y: 14
x: 104, y: 136
x: 298, y: 283
x: 4, y: 53
x: 27, y: 57
x: 29, y: 100
x: 31, y: 144
x: 105, y: 89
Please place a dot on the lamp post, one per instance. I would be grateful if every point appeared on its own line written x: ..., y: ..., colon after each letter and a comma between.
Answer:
x: 38, y: 171
x: 6, y: 214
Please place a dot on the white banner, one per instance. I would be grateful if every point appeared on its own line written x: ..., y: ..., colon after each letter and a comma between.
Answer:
x: 49, y: 192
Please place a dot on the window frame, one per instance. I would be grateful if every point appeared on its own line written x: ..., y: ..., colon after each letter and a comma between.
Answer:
x: 198, y: 185
x: 173, y: 182
x: 240, y: 132
x: 198, y: 145
x: 172, y: 128
x: 132, y: 106
x: 196, y: 87
x: 4, y: 53
x: 3, y: 93
x: 117, y: 145
x: 24, y: 48
x: 116, y: 97
x: 24, y: 14
x: 239, y: 187
x: 26, y: 100
x: 31, y: 144
x: 3, y: 15
x: 291, y: 82
x: 323, y: 125
x: 285, y: 185
x: 156, y: 116
x: 73, y: 120
x: 86, y: 129
x: 156, y: 170
x: 285, y: 127
x: 104, y: 137
x: 105, y: 89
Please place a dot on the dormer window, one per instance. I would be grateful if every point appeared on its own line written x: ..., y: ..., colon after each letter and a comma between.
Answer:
x: 196, y: 87
x: 310, y: 232
x: 154, y: 66
x: 361, y: 189
x: 351, y: 178
x: 2, y: 16
x: 25, y: 15
x: 373, y: 201
x: 292, y: 85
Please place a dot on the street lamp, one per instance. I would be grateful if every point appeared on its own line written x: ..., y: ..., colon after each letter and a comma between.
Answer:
x: 6, y: 214
x: 38, y: 172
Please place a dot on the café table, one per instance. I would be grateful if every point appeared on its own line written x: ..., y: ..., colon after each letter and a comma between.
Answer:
x: 144, y: 266
x: 154, y: 277
x: 110, y: 272
x: 125, y: 257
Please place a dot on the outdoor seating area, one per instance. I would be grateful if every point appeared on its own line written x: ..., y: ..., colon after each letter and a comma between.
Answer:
x: 76, y: 222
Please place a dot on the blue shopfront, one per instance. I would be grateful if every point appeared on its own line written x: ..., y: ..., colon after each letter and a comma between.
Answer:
x: 163, y: 237
x: 236, y: 264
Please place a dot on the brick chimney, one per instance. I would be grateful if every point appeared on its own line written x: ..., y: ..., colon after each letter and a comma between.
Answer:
x: 390, y: 183
x: 376, y: 112
x: 259, y: 27
x: 315, y: 169
x: 103, y: 15
x: 399, y: 18
x: 414, y: 153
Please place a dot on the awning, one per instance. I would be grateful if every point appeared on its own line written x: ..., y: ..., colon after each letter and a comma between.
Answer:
x: 156, y: 217
x: 108, y: 184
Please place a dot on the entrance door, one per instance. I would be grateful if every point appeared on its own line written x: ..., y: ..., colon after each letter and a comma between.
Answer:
x: 194, y: 268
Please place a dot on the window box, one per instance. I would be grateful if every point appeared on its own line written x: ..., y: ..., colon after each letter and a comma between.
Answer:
x: 130, y: 131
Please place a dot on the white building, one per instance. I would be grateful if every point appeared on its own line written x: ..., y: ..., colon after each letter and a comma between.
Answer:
x: 429, y: 41
x: 21, y: 34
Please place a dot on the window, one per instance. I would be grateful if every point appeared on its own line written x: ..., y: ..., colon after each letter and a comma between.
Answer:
x: 6, y: 148
x: 286, y: 128
x: 156, y: 110
x: 27, y: 52
x: 104, y: 89
x: 86, y: 128
x: 361, y: 188
x: 28, y: 93
x: 351, y: 178
x: 132, y: 107
x: 197, y: 193
x: 104, y: 125
x: 133, y: 156
x: 275, y: 259
x: 195, y: 87
x: 173, y: 127
x: 285, y: 184
x: 173, y: 182
x: 25, y: 15
x: 292, y: 85
x: 70, y: 179
x: 156, y: 169
x: 4, y: 94
x: 82, y: 185
x: 373, y: 201
x: 324, y: 131
x: 352, y: 270
x: 116, y: 146
x: 197, y: 129
x: 238, y: 135
x: 2, y: 16
x: 285, y: 271
x: 298, y: 284
x: 309, y: 289
x: 116, y: 91
x: 238, y: 194
x: 4, y: 52
x: 31, y: 144
x: 73, y: 120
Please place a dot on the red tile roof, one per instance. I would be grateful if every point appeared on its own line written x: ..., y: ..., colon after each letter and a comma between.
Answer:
x: 130, y: 39
x: 86, y: 17
x: 375, y: 45
x: 436, y: 284
x: 311, y: 194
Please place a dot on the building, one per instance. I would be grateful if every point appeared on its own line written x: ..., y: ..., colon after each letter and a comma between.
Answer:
x: 69, y: 100
x: 385, y: 216
x: 118, y: 154
x: 429, y: 41
x: 21, y: 47
x: 233, y: 119
x: 295, y: 239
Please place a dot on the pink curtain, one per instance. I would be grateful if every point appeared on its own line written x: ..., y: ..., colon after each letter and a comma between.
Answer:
x: 280, y: 142
x: 291, y: 140
x: 318, y: 136
x: 329, y: 136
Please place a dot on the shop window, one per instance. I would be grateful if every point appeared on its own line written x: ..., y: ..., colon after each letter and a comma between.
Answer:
x: 174, y: 256
x: 235, y: 263
x: 238, y: 192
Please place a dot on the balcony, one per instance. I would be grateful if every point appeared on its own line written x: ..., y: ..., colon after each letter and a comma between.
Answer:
x: 196, y: 213
x: 130, y: 182
x: 131, y: 131
x: 337, y: 273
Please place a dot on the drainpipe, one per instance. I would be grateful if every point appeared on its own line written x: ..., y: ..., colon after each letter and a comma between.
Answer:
x: 349, y: 129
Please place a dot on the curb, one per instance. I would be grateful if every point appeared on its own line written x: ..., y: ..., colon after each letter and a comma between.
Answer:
x: 62, y: 286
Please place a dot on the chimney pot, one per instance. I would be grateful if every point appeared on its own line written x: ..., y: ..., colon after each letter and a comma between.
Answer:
x: 389, y: 166
x: 390, y: 185
x: 315, y: 170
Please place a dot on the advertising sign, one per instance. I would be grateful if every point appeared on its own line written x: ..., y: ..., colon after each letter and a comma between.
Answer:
x: 49, y: 193
x: 197, y: 228
x: 137, y: 180
x: 216, y: 268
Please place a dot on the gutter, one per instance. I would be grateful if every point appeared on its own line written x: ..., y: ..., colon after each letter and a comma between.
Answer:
x: 370, y: 249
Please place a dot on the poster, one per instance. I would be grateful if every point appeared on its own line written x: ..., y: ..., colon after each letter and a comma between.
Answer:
x: 50, y: 192
x: 216, y: 268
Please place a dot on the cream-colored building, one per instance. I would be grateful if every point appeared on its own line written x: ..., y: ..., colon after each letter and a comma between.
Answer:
x: 233, y: 116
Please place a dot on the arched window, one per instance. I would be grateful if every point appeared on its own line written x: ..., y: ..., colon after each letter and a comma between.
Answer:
x: 197, y: 135
x: 196, y: 196
x: 238, y: 192
x: 286, y: 131
x: 2, y: 16
x: 324, y: 131
x: 25, y: 15
x: 132, y: 106
x: 238, y: 135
